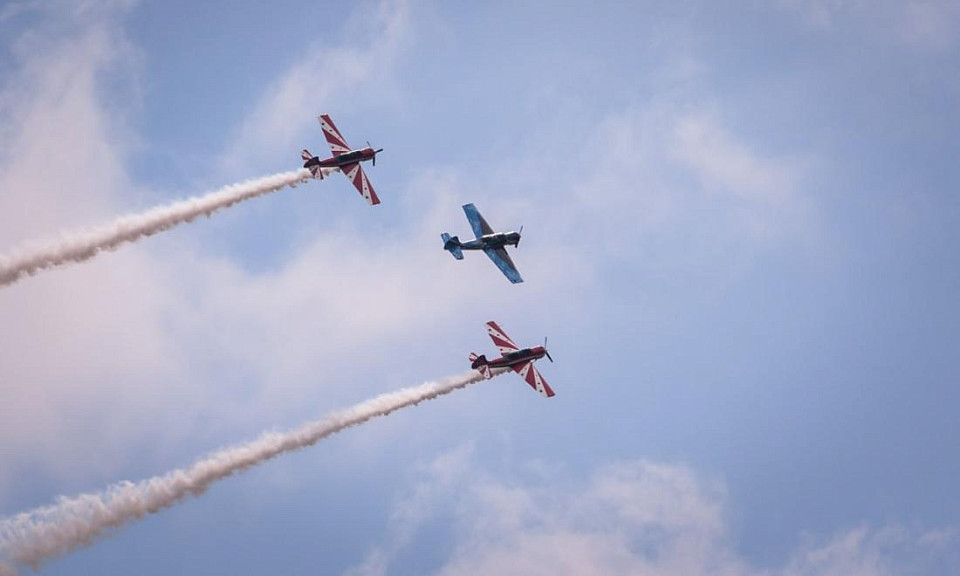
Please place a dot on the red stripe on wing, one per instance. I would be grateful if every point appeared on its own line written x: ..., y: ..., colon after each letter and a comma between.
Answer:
x: 500, y: 338
x: 533, y: 377
x: 354, y: 172
x: 365, y: 187
x: 338, y: 145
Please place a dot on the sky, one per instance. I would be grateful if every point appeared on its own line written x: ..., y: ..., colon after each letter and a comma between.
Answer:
x: 739, y: 236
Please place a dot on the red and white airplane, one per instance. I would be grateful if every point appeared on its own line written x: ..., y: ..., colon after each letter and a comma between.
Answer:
x: 344, y: 159
x: 521, y: 361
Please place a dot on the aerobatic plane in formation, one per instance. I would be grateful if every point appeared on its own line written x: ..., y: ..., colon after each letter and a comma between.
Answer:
x: 520, y: 360
x: 344, y: 159
x: 492, y: 243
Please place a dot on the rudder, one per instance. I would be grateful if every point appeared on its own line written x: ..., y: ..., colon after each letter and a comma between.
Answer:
x: 452, y: 245
x: 479, y: 363
x: 311, y: 163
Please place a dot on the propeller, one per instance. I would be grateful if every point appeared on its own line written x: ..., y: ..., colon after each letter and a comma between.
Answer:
x: 545, y: 349
x: 519, y: 235
x: 375, y: 152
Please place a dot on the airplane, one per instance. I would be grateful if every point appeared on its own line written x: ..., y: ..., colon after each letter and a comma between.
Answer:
x: 344, y: 159
x: 492, y: 243
x: 521, y: 361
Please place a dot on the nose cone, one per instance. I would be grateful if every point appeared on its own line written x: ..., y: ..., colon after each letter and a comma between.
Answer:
x: 513, y: 238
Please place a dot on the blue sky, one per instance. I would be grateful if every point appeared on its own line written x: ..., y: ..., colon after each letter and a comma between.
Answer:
x: 739, y: 235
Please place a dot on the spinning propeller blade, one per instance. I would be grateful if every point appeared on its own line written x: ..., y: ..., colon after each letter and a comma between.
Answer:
x: 375, y: 152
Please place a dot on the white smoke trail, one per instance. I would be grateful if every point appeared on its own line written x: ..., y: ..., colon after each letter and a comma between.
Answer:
x: 48, y: 532
x: 85, y: 244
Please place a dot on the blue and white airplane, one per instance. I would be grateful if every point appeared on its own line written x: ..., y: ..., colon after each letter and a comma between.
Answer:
x: 492, y: 243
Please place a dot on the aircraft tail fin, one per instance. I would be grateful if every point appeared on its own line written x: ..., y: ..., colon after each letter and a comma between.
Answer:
x: 452, y: 245
x: 311, y: 163
x: 479, y: 363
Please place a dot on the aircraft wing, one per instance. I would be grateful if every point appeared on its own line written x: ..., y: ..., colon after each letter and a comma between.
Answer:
x: 479, y: 225
x: 500, y: 338
x: 355, y: 174
x: 529, y: 372
x: 504, y: 263
x: 337, y: 143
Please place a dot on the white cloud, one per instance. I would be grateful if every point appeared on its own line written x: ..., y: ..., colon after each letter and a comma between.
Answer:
x: 347, y: 295
x: 324, y: 76
x: 118, y: 336
x: 720, y: 162
x: 83, y: 342
x: 14, y: 9
x: 923, y: 24
x: 820, y: 13
x: 680, y: 196
x: 154, y: 340
x: 436, y: 481
x: 636, y: 517
x: 167, y: 334
x: 933, y: 24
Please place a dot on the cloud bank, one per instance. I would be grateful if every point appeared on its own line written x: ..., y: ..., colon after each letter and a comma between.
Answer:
x: 633, y: 517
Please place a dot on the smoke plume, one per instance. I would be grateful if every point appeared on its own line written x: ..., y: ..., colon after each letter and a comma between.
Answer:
x: 48, y: 532
x: 30, y: 259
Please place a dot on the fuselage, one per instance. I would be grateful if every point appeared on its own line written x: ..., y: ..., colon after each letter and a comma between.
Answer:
x: 511, y: 358
x: 351, y: 157
x: 496, y: 240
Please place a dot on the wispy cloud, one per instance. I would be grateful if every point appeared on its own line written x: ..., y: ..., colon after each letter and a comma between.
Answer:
x: 138, y: 308
x: 326, y: 74
x: 14, y: 9
x: 722, y: 163
x: 633, y: 517
x: 170, y: 316
x: 921, y: 24
x: 62, y: 165
x: 36, y: 536
x: 430, y: 491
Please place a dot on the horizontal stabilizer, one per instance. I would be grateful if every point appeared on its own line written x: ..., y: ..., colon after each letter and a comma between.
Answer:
x: 452, y: 245
x: 312, y: 163
x: 480, y: 364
